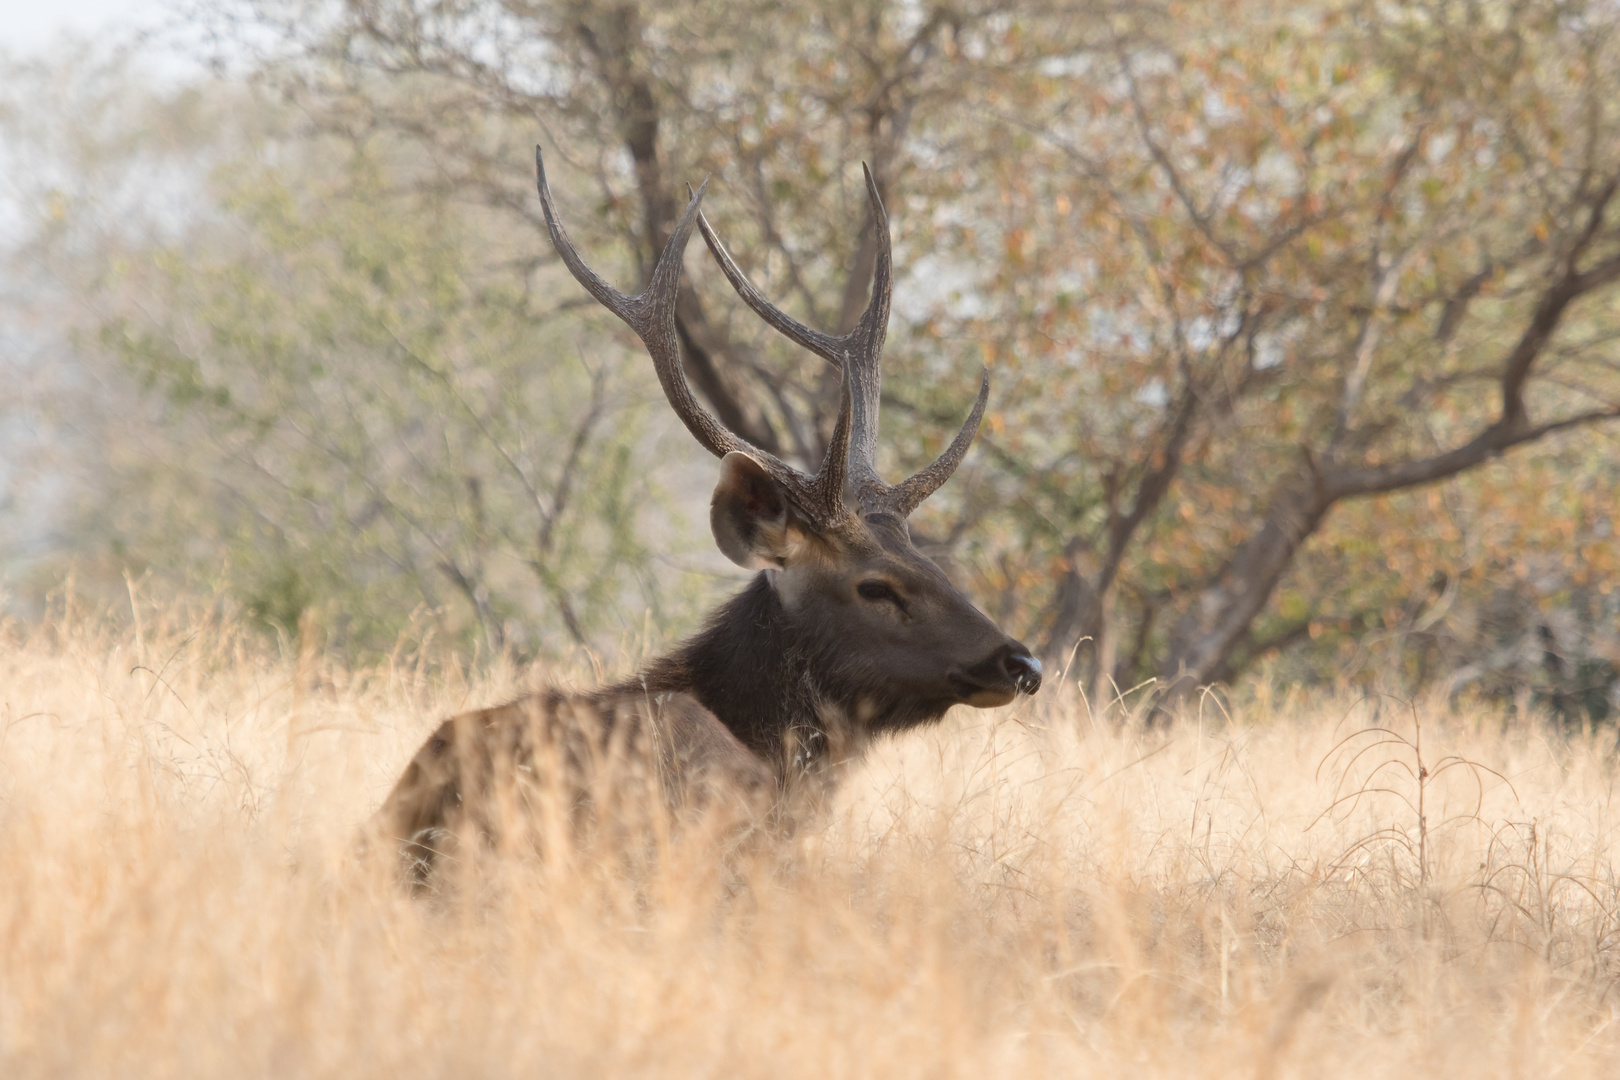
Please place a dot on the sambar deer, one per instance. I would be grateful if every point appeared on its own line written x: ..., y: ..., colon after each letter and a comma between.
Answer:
x: 847, y: 631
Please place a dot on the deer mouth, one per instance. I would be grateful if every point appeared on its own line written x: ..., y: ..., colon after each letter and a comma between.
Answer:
x: 990, y: 698
x: 981, y: 693
x: 998, y: 680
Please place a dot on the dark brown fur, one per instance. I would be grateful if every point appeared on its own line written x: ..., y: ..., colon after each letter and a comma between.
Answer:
x: 620, y: 752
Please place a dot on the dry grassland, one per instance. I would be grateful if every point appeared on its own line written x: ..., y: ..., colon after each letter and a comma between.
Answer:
x: 1025, y: 893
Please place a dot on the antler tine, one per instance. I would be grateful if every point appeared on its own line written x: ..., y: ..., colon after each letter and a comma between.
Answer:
x: 651, y: 314
x: 622, y: 305
x: 826, y: 346
x: 909, y: 494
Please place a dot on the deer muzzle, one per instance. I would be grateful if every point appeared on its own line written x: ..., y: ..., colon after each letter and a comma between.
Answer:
x: 1003, y: 675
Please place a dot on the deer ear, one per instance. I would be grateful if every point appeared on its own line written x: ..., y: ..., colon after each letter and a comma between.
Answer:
x: 749, y: 514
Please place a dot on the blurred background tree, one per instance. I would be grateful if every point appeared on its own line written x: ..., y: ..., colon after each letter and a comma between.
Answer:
x: 1303, y: 318
x: 342, y: 407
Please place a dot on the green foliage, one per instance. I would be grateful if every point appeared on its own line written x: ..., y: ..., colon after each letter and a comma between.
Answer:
x: 379, y: 420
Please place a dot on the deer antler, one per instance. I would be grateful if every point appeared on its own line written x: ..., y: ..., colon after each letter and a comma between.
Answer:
x: 861, y: 354
x: 651, y: 314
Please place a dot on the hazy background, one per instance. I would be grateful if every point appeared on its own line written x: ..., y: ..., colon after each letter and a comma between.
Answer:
x: 1304, y: 320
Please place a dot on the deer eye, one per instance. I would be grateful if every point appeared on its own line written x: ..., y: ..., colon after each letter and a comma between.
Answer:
x: 879, y: 591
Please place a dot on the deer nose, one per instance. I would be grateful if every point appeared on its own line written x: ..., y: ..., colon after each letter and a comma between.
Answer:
x: 1022, y: 668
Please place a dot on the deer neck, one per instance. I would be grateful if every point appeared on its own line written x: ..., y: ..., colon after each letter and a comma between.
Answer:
x: 750, y: 666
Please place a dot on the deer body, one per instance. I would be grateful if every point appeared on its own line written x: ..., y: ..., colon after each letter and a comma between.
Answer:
x: 634, y: 750
x: 847, y: 631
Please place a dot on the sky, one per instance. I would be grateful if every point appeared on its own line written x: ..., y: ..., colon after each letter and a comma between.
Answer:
x: 29, y: 26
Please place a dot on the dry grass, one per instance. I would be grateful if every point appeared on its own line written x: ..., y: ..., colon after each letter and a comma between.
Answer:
x: 1014, y: 894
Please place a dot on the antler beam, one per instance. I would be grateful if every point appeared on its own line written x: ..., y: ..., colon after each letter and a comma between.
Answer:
x: 861, y: 353
x: 651, y: 314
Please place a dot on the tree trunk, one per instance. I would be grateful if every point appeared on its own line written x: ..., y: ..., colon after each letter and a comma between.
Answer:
x: 707, y: 354
x: 1219, y: 618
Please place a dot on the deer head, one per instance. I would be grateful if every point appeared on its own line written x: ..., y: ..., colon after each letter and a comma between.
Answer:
x: 883, y: 638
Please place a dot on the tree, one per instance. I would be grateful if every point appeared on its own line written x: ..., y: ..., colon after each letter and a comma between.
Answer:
x: 1266, y: 256
x: 1312, y: 241
x: 1294, y: 310
x: 354, y: 405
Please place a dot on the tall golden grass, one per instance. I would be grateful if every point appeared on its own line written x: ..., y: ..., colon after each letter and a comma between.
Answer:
x: 1046, y: 889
